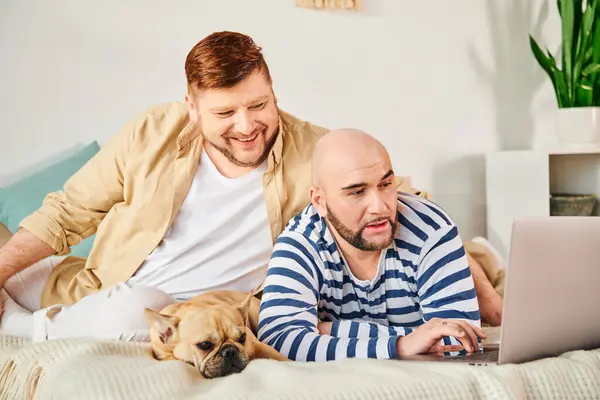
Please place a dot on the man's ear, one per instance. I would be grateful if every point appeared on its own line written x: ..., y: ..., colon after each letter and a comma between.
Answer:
x: 318, y: 200
x: 165, y: 325
x: 191, y: 107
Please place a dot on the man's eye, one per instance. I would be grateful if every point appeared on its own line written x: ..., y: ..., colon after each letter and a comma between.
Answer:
x: 225, y: 114
x: 258, y: 106
x: 204, y: 346
x: 387, y: 184
x: 357, y: 192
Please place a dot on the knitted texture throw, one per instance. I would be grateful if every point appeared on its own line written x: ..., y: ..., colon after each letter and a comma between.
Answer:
x: 88, y: 369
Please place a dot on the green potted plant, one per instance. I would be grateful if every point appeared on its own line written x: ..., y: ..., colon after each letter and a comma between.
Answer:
x: 577, y: 81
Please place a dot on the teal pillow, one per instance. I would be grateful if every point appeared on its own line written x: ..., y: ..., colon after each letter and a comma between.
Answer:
x: 25, y: 196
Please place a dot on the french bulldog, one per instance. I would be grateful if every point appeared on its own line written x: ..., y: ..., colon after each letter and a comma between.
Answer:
x: 214, y: 332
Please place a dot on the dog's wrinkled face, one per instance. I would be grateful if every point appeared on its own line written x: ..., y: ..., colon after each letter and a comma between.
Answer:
x: 215, y: 346
x: 209, y: 337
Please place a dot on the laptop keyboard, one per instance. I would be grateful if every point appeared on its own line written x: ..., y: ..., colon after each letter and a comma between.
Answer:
x: 487, y: 355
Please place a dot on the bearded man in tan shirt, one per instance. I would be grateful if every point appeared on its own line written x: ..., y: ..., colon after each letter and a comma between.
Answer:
x: 186, y: 198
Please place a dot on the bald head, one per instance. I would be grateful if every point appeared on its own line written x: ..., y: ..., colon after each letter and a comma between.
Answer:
x: 345, y: 150
x: 354, y: 189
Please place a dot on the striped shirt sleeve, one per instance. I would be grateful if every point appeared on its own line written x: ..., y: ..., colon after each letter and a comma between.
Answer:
x: 444, y: 282
x: 288, y: 313
x: 364, y: 329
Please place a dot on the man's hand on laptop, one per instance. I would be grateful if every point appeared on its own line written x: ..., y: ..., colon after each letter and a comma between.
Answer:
x: 426, y: 338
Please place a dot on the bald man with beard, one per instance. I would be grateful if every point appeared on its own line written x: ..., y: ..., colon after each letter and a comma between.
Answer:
x: 366, y: 271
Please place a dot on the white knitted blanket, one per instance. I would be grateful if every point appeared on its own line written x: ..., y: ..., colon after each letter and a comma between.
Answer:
x: 86, y: 369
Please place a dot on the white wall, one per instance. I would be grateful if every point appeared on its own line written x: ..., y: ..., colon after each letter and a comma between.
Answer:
x: 439, y: 82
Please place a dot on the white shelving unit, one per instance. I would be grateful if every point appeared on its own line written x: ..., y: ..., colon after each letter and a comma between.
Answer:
x: 519, y: 183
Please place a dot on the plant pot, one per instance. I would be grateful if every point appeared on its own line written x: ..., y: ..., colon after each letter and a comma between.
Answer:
x: 578, y: 125
x: 572, y: 205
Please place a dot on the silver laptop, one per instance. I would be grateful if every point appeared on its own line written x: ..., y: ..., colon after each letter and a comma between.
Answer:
x: 552, y: 295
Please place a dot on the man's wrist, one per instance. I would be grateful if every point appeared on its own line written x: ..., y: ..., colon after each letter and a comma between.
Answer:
x: 401, y: 346
x: 6, y: 272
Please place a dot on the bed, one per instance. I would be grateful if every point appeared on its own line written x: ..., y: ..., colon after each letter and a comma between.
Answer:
x: 89, y: 369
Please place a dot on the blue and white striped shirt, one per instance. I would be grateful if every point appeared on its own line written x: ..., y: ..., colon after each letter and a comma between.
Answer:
x: 423, y: 274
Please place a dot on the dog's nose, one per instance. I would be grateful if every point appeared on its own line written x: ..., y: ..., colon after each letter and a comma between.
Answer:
x: 227, y: 352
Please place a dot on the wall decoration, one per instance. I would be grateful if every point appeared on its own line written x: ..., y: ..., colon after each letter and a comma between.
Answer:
x: 330, y: 4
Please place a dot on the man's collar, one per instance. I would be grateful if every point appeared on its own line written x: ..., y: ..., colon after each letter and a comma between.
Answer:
x: 277, y: 150
x: 192, y: 131
x: 189, y: 133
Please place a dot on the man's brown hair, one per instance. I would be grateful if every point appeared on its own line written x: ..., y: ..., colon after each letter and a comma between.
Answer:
x: 222, y: 60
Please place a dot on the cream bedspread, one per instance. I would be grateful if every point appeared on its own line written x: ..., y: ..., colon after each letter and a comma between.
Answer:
x: 86, y: 369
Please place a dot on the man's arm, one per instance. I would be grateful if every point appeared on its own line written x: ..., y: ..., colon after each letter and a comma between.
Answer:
x: 364, y: 329
x: 288, y: 317
x: 22, y: 250
x: 444, y: 282
x: 66, y: 217
x: 490, y: 301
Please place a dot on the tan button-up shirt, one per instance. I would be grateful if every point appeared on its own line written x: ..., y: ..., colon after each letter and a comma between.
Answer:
x: 131, y: 191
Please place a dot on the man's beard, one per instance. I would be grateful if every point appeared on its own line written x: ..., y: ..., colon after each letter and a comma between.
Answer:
x: 231, y: 157
x: 356, y: 239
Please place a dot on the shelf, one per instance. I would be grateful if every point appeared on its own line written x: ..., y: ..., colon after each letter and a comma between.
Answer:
x: 556, y: 151
x: 519, y: 183
x: 575, y: 150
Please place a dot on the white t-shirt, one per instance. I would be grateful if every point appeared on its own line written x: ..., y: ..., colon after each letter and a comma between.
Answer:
x: 220, y: 238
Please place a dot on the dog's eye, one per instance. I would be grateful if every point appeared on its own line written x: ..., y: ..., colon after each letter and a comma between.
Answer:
x: 242, y: 338
x: 204, y: 345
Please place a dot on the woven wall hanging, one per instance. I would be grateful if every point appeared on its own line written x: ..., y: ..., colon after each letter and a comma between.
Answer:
x: 330, y: 4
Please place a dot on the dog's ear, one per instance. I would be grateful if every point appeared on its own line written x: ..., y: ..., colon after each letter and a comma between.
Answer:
x: 165, y: 325
x: 244, y: 306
